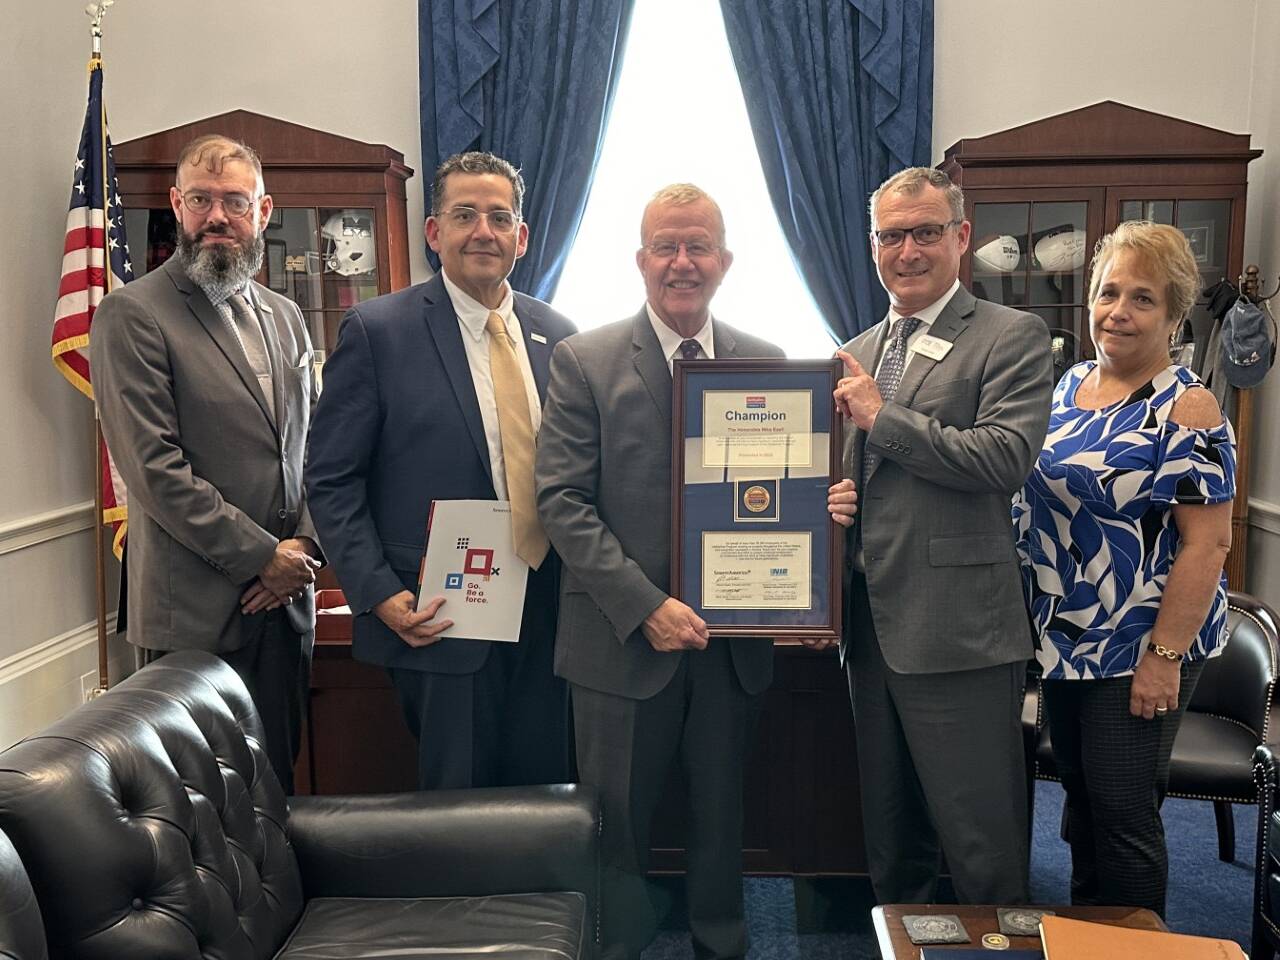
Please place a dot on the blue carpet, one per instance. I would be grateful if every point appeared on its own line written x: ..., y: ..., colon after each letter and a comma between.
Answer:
x: 1206, y: 896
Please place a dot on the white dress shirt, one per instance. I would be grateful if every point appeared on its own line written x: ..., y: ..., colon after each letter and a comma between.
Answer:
x: 472, y: 318
x: 670, y: 340
x: 926, y: 318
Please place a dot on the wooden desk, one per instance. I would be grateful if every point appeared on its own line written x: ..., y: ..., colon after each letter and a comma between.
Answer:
x: 802, y: 812
x: 891, y: 935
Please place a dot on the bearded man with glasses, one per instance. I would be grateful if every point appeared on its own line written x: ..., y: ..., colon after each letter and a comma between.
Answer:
x: 435, y: 393
x: 204, y: 382
x: 948, y: 402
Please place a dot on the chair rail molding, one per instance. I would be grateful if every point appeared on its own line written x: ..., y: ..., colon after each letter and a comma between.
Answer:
x: 42, y: 527
x: 1264, y: 515
x: 55, y: 648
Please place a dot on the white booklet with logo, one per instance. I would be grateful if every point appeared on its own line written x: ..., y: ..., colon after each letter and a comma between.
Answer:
x: 471, y: 561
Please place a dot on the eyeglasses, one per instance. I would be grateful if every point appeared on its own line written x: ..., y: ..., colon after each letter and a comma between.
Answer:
x: 467, y: 218
x: 667, y: 249
x: 925, y: 235
x: 235, y: 205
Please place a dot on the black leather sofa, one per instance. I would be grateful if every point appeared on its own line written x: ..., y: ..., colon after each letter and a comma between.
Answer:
x: 150, y: 826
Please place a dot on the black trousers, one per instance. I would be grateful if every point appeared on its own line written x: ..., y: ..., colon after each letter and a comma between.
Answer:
x: 625, y: 749
x: 507, y: 724
x: 1115, y: 769
x: 276, y: 667
x: 942, y: 770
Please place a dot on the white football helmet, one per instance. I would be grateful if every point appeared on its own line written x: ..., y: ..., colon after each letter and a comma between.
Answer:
x: 349, y: 247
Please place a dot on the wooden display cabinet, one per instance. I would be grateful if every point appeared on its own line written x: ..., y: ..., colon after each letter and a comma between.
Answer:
x: 1081, y: 173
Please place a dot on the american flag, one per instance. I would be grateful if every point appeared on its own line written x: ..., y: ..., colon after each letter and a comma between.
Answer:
x: 95, y: 260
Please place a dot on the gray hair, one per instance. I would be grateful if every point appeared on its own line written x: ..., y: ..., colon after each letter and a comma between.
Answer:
x: 478, y: 162
x: 914, y: 179
x: 213, y: 150
x: 679, y: 194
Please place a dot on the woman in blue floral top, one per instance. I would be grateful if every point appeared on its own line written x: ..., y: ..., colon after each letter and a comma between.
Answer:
x: 1123, y: 528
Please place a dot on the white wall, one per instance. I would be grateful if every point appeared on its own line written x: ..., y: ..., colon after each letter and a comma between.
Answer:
x: 352, y: 69
x: 1262, y: 246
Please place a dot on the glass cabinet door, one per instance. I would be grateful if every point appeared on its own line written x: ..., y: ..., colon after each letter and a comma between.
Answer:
x: 1032, y: 255
x: 1206, y: 222
x: 324, y: 259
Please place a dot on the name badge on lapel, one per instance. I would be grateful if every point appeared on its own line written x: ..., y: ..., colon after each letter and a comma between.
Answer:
x: 932, y: 347
x: 537, y: 337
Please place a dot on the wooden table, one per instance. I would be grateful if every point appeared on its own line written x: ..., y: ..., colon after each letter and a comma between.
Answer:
x: 891, y: 935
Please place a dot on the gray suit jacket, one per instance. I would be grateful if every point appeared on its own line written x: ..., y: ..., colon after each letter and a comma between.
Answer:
x: 955, y: 445
x: 604, y: 495
x: 213, y: 481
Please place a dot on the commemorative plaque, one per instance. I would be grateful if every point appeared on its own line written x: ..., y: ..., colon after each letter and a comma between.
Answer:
x: 755, y: 445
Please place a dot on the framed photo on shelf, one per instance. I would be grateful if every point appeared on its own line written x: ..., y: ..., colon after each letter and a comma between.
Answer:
x: 1199, y: 234
x: 277, y: 279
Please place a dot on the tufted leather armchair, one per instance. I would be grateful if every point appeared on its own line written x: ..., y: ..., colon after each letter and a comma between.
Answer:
x: 1233, y: 710
x: 1266, y: 890
x: 21, y: 929
x: 151, y: 826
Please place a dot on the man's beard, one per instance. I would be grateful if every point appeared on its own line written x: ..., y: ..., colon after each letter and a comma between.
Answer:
x: 220, y: 269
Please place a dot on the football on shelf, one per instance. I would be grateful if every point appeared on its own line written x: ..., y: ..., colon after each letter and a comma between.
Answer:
x: 998, y: 253
x: 1063, y: 250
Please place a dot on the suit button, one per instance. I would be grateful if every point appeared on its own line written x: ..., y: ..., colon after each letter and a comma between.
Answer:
x: 848, y: 563
x: 282, y: 514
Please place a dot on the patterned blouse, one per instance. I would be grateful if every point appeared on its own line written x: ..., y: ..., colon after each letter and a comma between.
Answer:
x: 1095, y: 529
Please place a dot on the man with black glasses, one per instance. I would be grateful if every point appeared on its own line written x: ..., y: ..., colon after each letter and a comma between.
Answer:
x: 204, y: 382
x: 435, y: 393
x: 948, y: 402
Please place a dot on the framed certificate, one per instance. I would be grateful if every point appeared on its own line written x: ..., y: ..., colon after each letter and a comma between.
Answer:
x: 755, y: 445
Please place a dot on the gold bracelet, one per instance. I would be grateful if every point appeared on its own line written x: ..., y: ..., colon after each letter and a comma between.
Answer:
x: 1162, y: 651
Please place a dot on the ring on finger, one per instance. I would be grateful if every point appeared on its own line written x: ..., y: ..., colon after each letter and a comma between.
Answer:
x: 1162, y: 710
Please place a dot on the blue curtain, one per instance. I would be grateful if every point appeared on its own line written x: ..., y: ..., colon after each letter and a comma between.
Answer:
x: 840, y: 96
x: 532, y: 82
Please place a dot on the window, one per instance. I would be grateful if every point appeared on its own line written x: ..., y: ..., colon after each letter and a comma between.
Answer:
x: 679, y: 116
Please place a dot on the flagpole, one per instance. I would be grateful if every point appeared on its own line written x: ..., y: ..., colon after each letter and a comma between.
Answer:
x: 96, y: 12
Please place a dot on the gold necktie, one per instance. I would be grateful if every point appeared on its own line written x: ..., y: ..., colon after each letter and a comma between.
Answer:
x: 516, y: 429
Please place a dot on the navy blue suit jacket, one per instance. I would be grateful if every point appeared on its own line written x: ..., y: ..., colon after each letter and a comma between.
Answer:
x: 397, y: 426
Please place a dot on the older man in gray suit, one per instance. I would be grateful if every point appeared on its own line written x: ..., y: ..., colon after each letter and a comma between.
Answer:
x: 205, y: 387
x: 648, y: 685
x: 949, y: 400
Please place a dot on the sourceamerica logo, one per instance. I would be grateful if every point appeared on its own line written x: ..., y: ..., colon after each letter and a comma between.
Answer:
x: 477, y: 564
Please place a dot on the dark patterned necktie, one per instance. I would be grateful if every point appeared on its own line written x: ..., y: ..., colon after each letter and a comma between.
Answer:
x: 888, y: 378
x: 689, y: 349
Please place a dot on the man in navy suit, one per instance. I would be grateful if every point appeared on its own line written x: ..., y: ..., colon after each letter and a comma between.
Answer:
x: 420, y: 403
